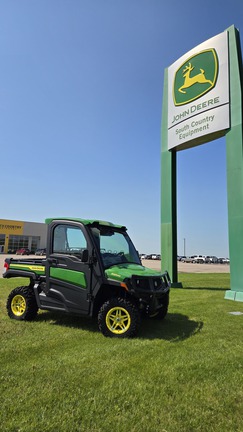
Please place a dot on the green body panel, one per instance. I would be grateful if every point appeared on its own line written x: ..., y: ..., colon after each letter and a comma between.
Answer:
x: 38, y: 269
x: 70, y: 276
x: 84, y: 221
x: 123, y: 271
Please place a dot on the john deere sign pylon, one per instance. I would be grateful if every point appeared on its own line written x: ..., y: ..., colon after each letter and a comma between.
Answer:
x: 203, y: 101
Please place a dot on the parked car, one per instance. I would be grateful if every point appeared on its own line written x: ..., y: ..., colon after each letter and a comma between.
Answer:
x: 155, y: 257
x: 198, y: 259
x: 143, y: 256
x: 40, y: 252
x: 223, y: 260
x: 149, y: 256
x: 23, y: 251
x: 180, y: 257
x: 186, y: 259
x: 211, y: 259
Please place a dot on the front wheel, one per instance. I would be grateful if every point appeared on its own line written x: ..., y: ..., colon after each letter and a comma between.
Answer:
x: 21, y: 304
x: 118, y: 317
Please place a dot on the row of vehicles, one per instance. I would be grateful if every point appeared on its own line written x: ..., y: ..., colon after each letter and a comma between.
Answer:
x: 195, y: 259
x: 203, y: 259
x: 150, y: 256
x: 26, y: 251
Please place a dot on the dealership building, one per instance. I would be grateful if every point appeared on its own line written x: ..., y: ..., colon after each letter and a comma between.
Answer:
x: 15, y: 235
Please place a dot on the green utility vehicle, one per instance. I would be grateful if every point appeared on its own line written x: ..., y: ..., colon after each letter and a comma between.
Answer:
x: 91, y: 269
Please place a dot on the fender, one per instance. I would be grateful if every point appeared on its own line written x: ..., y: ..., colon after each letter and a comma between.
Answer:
x: 19, y: 273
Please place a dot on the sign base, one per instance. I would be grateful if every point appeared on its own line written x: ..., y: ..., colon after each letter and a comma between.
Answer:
x: 176, y: 285
x: 234, y: 295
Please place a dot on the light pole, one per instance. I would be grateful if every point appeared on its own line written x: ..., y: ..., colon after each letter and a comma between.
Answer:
x: 184, y: 244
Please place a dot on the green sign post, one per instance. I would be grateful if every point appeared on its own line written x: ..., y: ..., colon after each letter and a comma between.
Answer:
x: 168, y: 198
x: 234, y: 151
x: 203, y: 101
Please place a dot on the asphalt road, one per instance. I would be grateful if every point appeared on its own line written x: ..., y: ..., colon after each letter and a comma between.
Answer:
x: 153, y: 264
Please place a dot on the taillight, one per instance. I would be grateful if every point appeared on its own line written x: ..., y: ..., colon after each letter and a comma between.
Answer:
x: 6, y: 266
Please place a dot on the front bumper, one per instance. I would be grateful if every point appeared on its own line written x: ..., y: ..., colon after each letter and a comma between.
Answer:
x: 151, y: 291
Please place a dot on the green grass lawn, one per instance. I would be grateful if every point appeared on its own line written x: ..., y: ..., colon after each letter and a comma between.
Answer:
x: 183, y: 374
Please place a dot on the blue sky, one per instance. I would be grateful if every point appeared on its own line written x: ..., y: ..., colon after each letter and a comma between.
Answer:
x: 81, y: 87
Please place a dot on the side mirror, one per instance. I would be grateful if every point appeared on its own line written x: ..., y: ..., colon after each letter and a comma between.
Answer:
x: 85, y: 256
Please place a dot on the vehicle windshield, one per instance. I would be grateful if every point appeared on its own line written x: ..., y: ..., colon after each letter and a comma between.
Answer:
x: 115, y: 247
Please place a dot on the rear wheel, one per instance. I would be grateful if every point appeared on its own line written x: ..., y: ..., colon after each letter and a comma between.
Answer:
x: 21, y: 304
x: 118, y: 317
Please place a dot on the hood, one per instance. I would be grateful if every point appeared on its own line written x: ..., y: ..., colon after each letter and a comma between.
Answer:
x: 123, y: 271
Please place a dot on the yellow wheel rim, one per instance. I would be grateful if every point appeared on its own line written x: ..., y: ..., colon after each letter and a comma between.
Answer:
x: 18, y: 305
x: 118, y: 320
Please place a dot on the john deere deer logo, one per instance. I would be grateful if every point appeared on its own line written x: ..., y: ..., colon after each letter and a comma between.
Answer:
x: 195, y: 77
x: 190, y: 80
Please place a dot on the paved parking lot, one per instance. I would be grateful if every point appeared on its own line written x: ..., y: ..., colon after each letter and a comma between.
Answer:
x: 154, y: 264
x: 191, y: 268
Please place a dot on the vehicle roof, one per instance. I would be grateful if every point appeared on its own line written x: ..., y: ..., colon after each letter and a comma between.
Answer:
x: 85, y: 222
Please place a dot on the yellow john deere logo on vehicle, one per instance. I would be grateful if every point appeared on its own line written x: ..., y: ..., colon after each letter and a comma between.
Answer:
x: 195, y: 77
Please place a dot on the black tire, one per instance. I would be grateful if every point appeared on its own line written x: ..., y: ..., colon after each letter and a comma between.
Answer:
x: 119, y: 318
x: 21, y: 304
x: 162, y: 312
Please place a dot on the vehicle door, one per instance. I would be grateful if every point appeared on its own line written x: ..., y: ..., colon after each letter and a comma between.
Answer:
x: 68, y: 277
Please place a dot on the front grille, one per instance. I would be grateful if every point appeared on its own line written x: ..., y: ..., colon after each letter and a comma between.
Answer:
x: 146, y: 283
